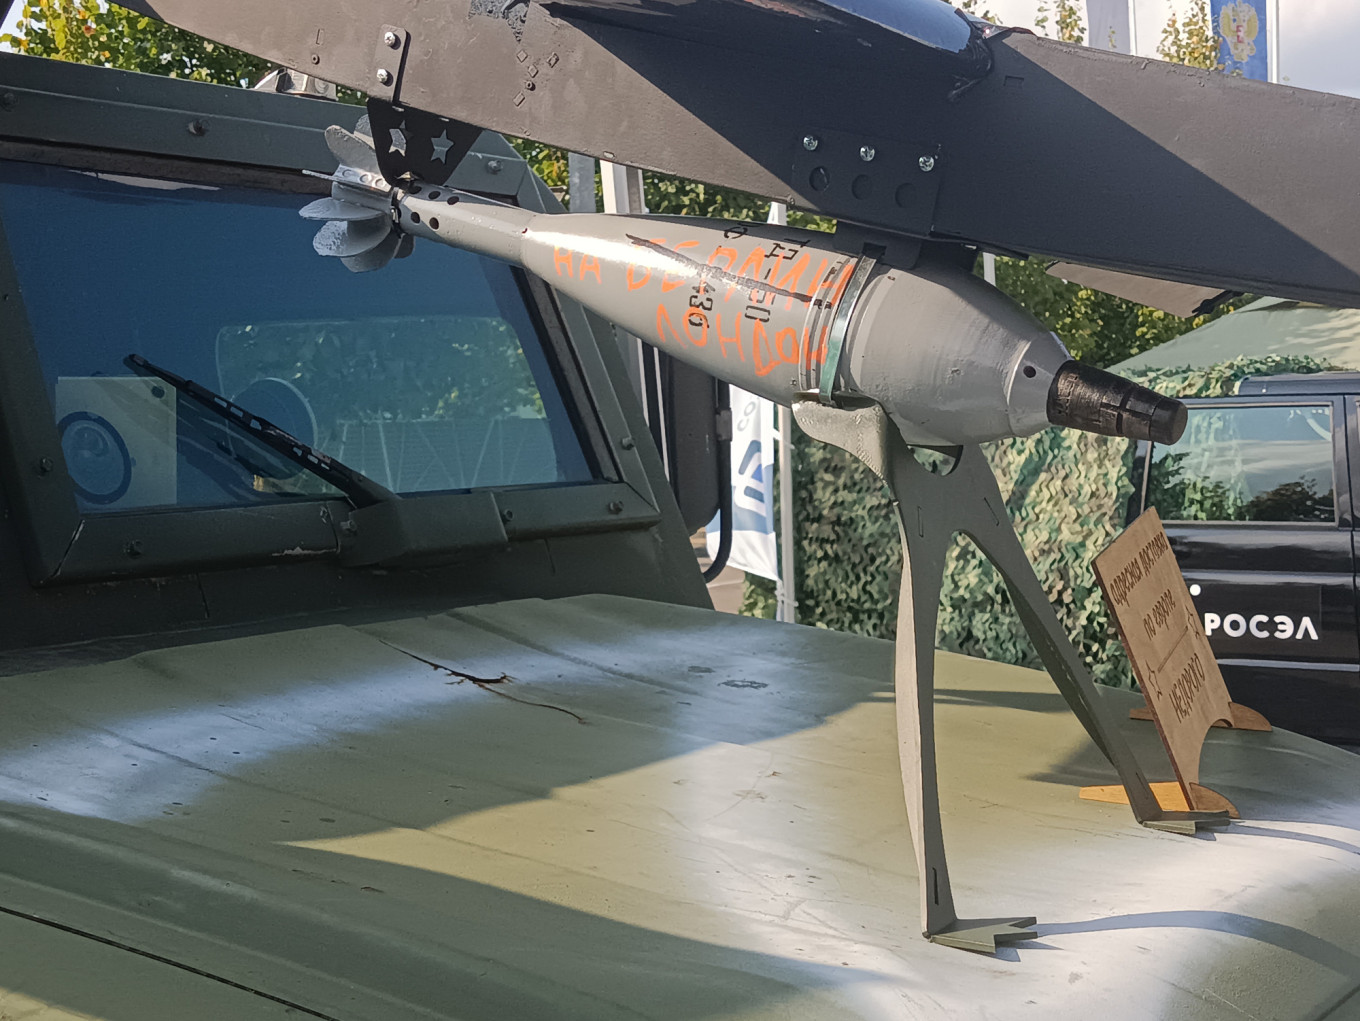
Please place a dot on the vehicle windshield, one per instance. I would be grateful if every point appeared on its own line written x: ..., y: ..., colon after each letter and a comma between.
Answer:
x: 428, y: 375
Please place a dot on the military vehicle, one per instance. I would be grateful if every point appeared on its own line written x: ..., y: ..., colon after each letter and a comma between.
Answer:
x: 275, y: 744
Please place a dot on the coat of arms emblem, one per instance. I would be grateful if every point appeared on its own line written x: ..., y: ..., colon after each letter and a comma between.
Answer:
x: 1239, y: 25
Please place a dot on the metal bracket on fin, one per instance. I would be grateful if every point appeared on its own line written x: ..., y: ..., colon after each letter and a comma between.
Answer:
x: 984, y: 935
x: 414, y: 146
x: 931, y: 508
x: 389, y: 63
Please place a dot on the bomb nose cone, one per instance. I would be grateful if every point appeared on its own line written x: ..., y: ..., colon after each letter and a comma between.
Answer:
x: 1084, y: 397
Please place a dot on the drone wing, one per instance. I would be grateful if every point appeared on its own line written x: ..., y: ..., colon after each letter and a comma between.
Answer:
x: 902, y: 116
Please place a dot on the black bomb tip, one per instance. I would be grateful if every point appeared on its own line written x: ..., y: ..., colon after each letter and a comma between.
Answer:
x: 1084, y: 397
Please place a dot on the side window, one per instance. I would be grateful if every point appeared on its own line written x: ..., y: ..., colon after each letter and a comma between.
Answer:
x: 1247, y: 463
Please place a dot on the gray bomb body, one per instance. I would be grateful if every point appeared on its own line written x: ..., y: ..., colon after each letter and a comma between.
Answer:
x: 951, y: 359
x: 775, y: 310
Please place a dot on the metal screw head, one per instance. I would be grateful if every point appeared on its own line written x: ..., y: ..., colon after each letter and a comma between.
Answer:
x: 493, y: 166
x: 133, y: 548
x: 627, y: 443
x: 45, y: 465
x: 384, y: 76
x: 810, y: 142
x: 615, y: 507
x: 198, y: 128
x: 8, y: 100
x: 926, y: 163
x: 867, y: 153
x: 390, y: 40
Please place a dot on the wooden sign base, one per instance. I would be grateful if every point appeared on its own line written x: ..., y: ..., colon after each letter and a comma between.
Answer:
x: 1169, y: 796
x: 1171, y: 658
x: 1243, y: 718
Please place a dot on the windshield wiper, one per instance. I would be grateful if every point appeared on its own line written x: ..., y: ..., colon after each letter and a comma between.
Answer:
x: 361, y: 490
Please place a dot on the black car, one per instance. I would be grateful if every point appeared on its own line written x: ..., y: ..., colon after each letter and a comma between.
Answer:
x: 1256, y: 498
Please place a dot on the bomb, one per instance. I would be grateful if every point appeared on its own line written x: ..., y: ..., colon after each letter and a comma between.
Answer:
x: 775, y: 310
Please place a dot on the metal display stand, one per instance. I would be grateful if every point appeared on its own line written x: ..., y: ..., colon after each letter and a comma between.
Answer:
x: 931, y: 508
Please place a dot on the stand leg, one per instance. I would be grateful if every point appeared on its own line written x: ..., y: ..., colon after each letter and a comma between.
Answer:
x: 914, y: 680
x: 930, y: 509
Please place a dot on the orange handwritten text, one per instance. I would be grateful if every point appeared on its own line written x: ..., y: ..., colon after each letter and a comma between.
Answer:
x: 724, y: 340
x: 590, y: 264
x: 663, y: 324
x: 634, y: 282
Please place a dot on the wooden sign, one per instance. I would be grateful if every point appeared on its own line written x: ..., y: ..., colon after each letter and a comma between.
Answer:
x: 1171, y: 658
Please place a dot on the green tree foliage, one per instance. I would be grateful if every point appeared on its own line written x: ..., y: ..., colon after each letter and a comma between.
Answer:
x: 1065, y: 18
x: 90, y: 32
x: 1191, y: 40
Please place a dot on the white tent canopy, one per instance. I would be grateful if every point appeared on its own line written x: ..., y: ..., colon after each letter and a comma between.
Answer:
x: 1265, y: 327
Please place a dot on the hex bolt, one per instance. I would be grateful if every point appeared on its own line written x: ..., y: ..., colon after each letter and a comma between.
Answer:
x: 528, y: 86
x: 926, y: 163
x: 45, y: 465
x: 384, y: 76
x: 507, y: 515
x: 810, y: 142
x: 316, y: 58
x: 349, y: 527
x: 198, y: 129
x: 615, y: 507
x: 627, y: 443
x: 133, y: 548
x: 390, y: 40
x: 867, y: 153
x: 493, y: 166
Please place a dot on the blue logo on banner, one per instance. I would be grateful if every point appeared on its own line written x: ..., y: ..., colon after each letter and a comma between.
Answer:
x: 749, y: 511
x: 1241, y: 29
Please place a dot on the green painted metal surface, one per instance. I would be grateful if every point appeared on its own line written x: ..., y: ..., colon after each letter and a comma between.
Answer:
x: 663, y: 812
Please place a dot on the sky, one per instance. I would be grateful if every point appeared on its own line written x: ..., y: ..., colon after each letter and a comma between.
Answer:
x: 1318, y: 38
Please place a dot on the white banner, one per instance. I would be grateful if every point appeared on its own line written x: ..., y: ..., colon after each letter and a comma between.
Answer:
x: 1109, y: 25
x: 753, y: 543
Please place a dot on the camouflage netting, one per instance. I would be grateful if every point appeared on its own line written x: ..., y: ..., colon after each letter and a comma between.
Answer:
x: 1068, y: 494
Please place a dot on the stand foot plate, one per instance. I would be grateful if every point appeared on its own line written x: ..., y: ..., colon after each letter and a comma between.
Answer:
x: 985, y: 934
x: 1169, y: 795
x: 1187, y: 823
x: 1243, y: 718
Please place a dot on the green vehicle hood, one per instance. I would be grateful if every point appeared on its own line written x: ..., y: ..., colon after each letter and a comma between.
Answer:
x: 599, y: 808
